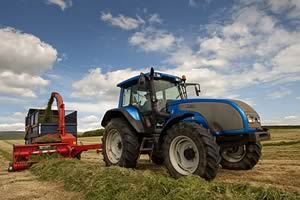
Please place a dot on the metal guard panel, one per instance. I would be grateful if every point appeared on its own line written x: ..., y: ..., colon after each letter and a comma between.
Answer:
x: 222, y: 115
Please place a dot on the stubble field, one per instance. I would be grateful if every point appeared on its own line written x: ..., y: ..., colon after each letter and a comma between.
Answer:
x: 279, y: 167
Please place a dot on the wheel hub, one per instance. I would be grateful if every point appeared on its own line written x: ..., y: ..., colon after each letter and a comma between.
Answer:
x: 119, y: 145
x: 184, y: 155
x: 114, y: 146
x: 189, y: 154
x: 234, y: 154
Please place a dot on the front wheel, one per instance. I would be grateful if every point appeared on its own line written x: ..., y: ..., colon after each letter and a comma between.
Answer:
x: 243, y: 157
x: 120, y: 144
x: 190, y: 149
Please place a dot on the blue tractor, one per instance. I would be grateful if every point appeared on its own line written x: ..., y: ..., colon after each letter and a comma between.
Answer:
x: 188, y: 135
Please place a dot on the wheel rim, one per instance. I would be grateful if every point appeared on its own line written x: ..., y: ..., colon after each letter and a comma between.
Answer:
x: 234, y: 154
x: 114, y: 146
x: 184, y: 155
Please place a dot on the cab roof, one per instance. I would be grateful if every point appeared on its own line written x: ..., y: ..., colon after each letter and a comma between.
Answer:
x: 157, y: 76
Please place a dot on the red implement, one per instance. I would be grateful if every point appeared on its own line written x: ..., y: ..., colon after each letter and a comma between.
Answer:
x: 25, y: 155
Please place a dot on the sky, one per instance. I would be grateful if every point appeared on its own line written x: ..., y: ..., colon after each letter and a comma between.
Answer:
x: 237, y: 49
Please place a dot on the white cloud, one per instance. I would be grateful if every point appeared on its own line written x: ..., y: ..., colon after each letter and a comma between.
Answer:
x: 151, y: 39
x: 12, y: 127
x: 23, y: 58
x: 286, y: 120
x: 291, y: 8
x: 16, y: 117
x: 291, y: 117
x: 241, y: 49
x: 96, y: 109
x: 288, y: 59
x: 121, y: 21
x: 90, y: 119
x: 233, y: 54
x: 155, y: 18
x: 63, y: 4
x: 90, y: 122
x: 98, y: 84
x: 282, y: 92
x: 298, y: 98
x: 21, y: 84
x: 282, y: 121
x: 23, y: 52
x: 11, y: 100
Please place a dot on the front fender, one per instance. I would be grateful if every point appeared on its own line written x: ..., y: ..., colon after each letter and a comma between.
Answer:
x: 186, y: 116
x: 127, y: 114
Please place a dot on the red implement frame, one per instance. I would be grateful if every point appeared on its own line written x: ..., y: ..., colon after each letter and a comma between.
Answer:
x: 23, y: 154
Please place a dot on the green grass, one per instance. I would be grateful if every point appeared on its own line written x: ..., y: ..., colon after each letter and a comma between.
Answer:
x: 96, y: 182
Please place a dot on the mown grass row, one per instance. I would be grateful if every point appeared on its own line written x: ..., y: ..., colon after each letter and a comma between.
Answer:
x: 96, y: 182
x: 282, y: 143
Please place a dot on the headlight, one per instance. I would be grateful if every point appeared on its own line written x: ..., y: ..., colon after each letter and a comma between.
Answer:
x: 250, y: 119
x: 258, y: 119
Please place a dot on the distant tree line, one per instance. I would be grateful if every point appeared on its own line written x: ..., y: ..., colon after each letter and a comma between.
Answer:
x: 97, y: 132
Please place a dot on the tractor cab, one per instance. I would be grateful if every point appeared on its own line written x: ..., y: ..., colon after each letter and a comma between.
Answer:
x: 150, y: 95
x: 138, y: 94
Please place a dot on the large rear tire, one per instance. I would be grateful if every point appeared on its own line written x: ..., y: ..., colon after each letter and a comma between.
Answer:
x: 243, y: 157
x: 120, y: 144
x: 190, y: 149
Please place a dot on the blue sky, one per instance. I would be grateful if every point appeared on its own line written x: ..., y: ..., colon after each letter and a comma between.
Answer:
x: 239, y: 49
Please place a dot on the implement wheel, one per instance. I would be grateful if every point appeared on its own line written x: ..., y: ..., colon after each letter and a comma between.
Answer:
x: 120, y: 144
x: 10, y: 167
x: 243, y: 157
x: 190, y: 149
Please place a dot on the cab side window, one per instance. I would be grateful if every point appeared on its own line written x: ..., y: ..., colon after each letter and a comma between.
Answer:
x: 126, y: 97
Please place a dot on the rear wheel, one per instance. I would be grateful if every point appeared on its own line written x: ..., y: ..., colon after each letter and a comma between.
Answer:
x: 120, y: 144
x: 241, y: 157
x: 191, y: 149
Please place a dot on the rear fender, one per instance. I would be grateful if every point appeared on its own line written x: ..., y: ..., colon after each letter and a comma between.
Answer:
x: 130, y: 114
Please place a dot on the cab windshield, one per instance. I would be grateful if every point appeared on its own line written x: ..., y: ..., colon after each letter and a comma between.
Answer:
x: 166, y: 90
x: 140, y: 96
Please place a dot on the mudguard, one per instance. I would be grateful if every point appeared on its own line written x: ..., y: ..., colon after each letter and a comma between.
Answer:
x: 128, y: 114
x: 185, y: 116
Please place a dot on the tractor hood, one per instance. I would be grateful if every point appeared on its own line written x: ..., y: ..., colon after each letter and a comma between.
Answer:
x: 219, y: 114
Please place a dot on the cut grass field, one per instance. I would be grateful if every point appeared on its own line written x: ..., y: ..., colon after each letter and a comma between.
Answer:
x: 277, y: 175
x: 96, y: 182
